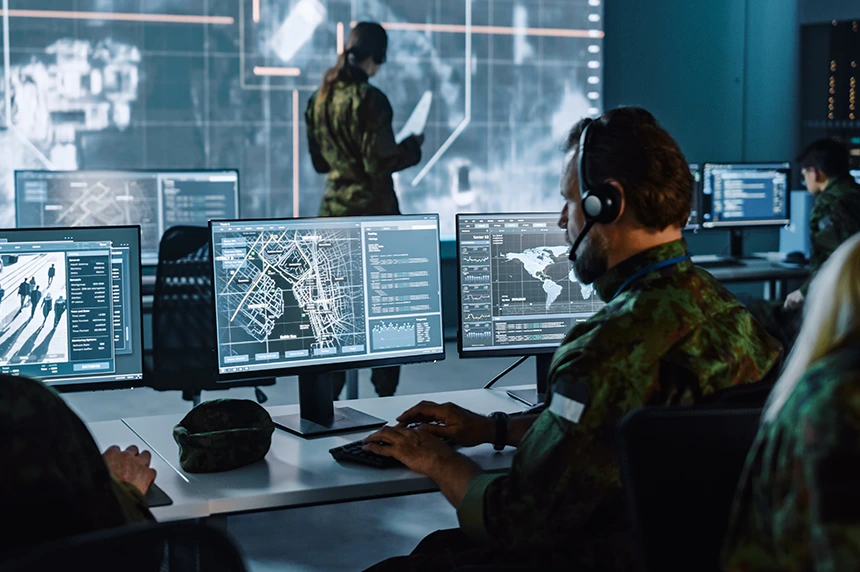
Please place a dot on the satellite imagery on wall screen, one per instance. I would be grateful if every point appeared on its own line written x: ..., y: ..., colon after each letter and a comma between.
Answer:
x: 222, y: 84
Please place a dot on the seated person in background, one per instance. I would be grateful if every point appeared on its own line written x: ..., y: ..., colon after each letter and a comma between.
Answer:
x: 670, y: 334
x: 835, y: 217
x: 798, y: 503
x: 54, y: 483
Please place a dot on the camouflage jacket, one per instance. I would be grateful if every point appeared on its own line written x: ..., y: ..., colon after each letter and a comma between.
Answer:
x: 351, y: 139
x: 671, y: 336
x: 54, y: 482
x: 798, y: 503
x: 835, y: 217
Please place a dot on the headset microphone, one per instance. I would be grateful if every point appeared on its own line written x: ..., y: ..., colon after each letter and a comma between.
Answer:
x: 579, y: 238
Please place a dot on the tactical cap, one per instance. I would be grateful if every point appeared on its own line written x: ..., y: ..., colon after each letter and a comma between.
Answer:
x: 223, y: 434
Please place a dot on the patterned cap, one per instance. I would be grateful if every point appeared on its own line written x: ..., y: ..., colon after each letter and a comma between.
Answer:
x: 223, y: 434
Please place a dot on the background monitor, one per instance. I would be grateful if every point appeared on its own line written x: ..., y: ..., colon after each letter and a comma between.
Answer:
x: 154, y: 200
x: 85, y: 329
x: 856, y: 175
x: 313, y: 295
x: 518, y: 294
x: 695, y: 221
x: 745, y: 194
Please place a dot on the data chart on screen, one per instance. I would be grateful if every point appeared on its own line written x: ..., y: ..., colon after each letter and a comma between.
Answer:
x: 518, y: 291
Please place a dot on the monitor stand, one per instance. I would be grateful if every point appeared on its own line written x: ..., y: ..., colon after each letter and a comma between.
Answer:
x: 318, y: 416
x: 535, y: 396
x: 736, y: 253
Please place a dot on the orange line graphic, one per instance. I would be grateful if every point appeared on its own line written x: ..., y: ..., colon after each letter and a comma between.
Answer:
x: 120, y: 16
x: 282, y: 72
x: 493, y: 30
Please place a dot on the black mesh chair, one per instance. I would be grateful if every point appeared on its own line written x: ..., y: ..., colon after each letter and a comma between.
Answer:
x: 170, y: 547
x: 183, y: 317
x: 680, y: 467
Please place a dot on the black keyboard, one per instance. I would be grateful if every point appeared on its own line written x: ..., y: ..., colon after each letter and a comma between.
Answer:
x: 156, y: 497
x: 353, y: 453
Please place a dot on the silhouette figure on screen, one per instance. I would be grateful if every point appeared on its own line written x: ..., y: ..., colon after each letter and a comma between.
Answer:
x: 51, y: 273
x: 24, y: 292
x: 59, y: 308
x: 35, y: 296
x: 47, y: 306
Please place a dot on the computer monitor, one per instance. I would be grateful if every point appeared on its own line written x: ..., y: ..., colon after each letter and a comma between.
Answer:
x: 695, y: 221
x: 856, y: 175
x: 517, y: 293
x: 736, y: 195
x: 155, y: 200
x: 71, y: 306
x: 309, y: 296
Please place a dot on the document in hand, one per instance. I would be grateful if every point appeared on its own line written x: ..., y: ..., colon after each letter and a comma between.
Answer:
x: 418, y: 120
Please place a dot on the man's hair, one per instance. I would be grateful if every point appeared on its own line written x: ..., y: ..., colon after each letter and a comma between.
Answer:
x: 828, y: 156
x: 627, y: 144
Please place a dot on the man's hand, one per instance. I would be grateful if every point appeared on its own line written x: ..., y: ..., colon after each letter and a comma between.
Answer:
x: 452, y: 422
x: 130, y: 466
x: 794, y: 301
x: 415, y: 448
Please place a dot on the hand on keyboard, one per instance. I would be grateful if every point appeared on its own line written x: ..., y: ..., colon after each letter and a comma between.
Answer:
x: 355, y: 452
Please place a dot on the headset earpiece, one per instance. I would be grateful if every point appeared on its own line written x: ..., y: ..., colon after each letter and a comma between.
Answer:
x: 600, y: 203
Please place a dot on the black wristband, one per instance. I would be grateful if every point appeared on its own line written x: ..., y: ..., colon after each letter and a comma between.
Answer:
x: 501, y: 439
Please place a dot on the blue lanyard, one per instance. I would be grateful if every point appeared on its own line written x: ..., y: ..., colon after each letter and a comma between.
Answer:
x: 647, y: 269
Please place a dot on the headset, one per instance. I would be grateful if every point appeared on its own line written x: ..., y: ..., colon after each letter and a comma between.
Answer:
x: 601, y: 204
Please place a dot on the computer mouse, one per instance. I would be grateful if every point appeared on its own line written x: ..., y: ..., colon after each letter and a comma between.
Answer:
x: 795, y: 258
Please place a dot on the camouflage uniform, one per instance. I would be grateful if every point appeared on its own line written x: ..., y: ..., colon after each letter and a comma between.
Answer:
x: 672, y: 336
x: 351, y: 139
x: 798, y: 503
x: 835, y: 218
x: 54, y: 482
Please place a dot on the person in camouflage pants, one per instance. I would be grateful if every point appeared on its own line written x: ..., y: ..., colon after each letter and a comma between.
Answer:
x: 669, y: 334
x: 797, y: 506
x: 835, y: 217
x: 54, y: 482
x: 351, y: 140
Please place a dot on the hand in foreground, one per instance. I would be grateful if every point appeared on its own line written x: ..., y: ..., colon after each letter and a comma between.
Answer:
x: 794, y: 301
x: 415, y: 448
x: 452, y: 422
x: 130, y: 466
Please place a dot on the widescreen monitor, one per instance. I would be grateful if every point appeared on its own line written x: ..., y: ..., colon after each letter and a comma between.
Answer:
x: 753, y: 194
x: 314, y: 295
x: 518, y: 294
x: 153, y: 200
x: 71, y: 306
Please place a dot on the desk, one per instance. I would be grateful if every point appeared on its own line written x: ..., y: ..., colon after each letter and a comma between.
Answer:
x: 187, y: 502
x: 774, y: 274
x: 300, y: 472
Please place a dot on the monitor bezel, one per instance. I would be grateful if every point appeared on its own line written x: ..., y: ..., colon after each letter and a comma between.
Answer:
x: 148, y: 263
x: 697, y: 195
x: 783, y: 166
x: 288, y: 370
x: 77, y: 387
x: 490, y: 352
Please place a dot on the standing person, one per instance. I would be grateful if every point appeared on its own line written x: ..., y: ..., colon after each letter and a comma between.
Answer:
x: 2, y: 293
x: 51, y: 273
x: 669, y: 334
x: 32, y: 284
x: 797, y: 506
x: 47, y: 306
x: 59, y: 308
x: 24, y: 292
x: 351, y: 139
x: 35, y: 296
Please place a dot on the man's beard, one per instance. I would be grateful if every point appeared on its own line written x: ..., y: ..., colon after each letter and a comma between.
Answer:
x: 591, y: 258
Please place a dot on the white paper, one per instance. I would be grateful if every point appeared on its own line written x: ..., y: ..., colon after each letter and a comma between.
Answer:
x: 418, y: 120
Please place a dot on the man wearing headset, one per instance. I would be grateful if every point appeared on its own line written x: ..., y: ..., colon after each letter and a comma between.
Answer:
x: 670, y: 334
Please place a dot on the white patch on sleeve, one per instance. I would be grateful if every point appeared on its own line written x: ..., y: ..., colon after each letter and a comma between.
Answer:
x: 566, y: 408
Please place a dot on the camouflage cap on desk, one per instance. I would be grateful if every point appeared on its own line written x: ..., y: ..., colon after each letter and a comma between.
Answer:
x: 223, y: 434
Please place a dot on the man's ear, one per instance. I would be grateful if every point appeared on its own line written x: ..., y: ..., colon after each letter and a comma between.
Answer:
x: 620, y: 188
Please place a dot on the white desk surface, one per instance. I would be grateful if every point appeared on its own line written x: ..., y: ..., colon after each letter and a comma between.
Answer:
x: 300, y: 472
x: 187, y: 502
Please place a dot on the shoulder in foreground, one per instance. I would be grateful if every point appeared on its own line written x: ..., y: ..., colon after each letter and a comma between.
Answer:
x: 833, y: 382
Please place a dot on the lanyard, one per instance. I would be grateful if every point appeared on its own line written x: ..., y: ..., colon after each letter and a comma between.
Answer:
x: 647, y: 269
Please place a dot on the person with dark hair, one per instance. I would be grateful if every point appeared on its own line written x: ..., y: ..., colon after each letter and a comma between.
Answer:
x: 54, y: 482
x: 669, y: 334
x: 835, y: 218
x: 35, y: 296
x: 52, y: 271
x: 351, y: 140
x: 24, y: 292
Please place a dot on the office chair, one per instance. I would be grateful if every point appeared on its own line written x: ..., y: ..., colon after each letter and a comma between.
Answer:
x: 183, y: 318
x: 680, y: 467
x: 149, y: 547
